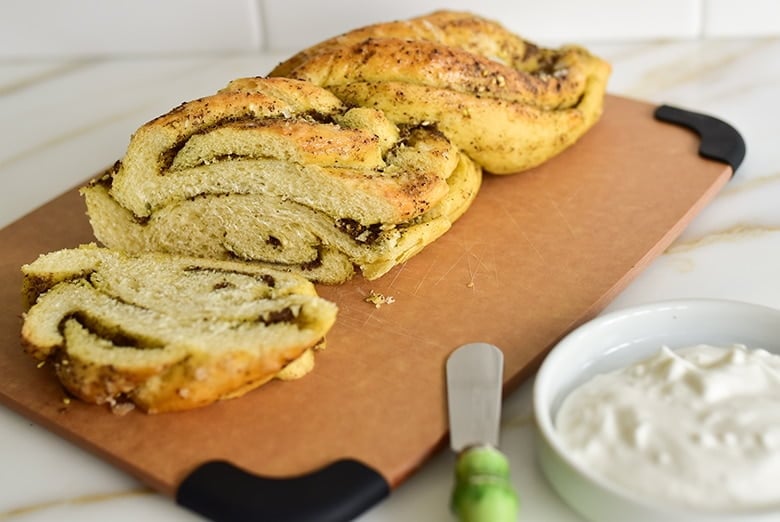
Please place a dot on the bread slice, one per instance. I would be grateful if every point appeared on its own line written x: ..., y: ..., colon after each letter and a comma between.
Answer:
x: 506, y: 102
x: 167, y: 332
x: 280, y: 172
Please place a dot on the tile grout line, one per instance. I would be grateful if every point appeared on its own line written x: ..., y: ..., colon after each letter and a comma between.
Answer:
x: 702, y: 11
x: 260, y: 24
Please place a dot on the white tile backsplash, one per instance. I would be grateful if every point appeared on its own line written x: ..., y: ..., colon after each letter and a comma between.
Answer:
x: 736, y: 18
x: 288, y: 27
x: 74, y: 27
x: 36, y: 28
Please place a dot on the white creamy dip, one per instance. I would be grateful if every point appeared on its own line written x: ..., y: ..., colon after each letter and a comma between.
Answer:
x: 699, y: 426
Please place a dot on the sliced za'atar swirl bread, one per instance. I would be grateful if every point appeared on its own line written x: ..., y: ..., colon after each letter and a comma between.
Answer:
x: 280, y: 171
x: 506, y: 102
x: 168, y: 332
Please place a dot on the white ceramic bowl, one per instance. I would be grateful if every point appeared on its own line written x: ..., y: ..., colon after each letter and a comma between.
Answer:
x: 618, y: 339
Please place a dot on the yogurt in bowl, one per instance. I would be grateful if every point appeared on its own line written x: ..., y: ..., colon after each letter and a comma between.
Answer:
x: 665, y: 412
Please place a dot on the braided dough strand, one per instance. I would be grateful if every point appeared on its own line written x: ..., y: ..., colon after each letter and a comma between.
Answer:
x: 507, y: 103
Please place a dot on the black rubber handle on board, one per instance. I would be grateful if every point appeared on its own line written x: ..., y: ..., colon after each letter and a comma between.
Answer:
x: 719, y: 140
x: 338, y: 492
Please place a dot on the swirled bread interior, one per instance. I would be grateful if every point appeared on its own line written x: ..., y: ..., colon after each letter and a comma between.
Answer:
x: 279, y: 171
x: 506, y: 102
x: 167, y: 332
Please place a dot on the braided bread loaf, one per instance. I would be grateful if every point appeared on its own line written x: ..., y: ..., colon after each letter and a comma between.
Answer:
x: 280, y: 171
x: 509, y: 104
x: 168, y: 333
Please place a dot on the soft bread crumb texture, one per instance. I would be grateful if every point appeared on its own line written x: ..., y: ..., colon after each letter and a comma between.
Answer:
x: 168, y: 333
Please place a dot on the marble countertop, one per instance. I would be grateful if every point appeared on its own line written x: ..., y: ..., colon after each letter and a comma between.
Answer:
x: 63, y: 120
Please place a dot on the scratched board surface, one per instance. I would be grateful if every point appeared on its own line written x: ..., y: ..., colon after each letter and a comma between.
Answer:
x: 537, y: 254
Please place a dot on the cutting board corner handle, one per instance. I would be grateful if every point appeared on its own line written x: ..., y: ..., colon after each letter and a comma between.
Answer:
x: 338, y: 492
x: 719, y: 140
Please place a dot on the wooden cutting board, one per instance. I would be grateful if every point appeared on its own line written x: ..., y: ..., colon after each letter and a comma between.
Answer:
x: 536, y: 255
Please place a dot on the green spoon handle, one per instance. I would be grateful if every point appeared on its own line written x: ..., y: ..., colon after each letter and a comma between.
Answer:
x: 483, y: 490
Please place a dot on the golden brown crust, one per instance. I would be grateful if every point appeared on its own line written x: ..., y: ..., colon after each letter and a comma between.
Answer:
x: 451, y: 28
x: 459, y: 64
x: 557, y: 82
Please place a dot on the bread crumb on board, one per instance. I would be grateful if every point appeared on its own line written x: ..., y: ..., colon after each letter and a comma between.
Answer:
x: 378, y: 299
x: 122, y: 408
